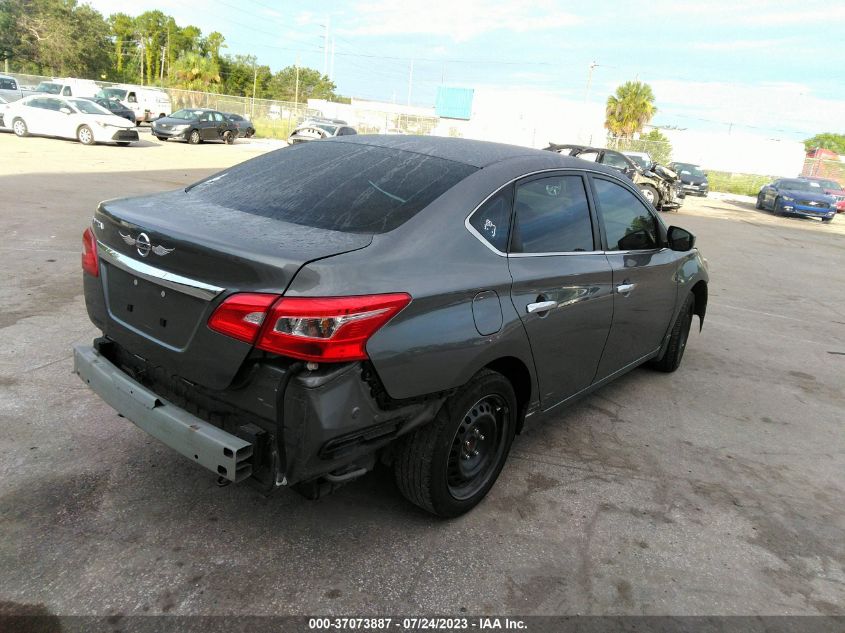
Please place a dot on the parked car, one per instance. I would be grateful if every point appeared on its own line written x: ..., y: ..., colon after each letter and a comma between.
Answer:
x: 245, y: 127
x: 797, y: 196
x: 116, y: 107
x: 3, y: 107
x: 195, y: 126
x: 315, y: 129
x: 9, y: 89
x: 147, y: 103
x: 68, y: 87
x: 693, y: 179
x: 659, y: 185
x: 81, y: 119
x: 301, y: 316
x: 831, y: 188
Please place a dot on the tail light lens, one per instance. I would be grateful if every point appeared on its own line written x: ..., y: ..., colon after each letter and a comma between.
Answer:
x: 89, y: 253
x: 320, y: 329
x: 242, y: 315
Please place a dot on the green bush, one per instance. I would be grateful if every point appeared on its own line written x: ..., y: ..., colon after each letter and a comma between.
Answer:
x: 741, y: 184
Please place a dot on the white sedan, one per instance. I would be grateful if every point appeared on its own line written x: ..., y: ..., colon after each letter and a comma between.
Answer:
x: 82, y: 119
x: 4, y: 105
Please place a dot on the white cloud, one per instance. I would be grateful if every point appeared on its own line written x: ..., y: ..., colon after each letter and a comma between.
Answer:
x: 459, y: 21
x: 776, y: 109
x: 743, y: 45
x: 755, y: 12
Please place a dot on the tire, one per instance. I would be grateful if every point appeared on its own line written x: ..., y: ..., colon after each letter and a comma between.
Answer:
x: 19, y: 128
x: 828, y: 219
x: 160, y: 138
x: 678, y: 338
x: 450, y: 464
x: 650, y: 194
x: 249, y: 133
x: 194, y: 137
x: 776, y: 207
x: 123, y: 143
x: 228, y: 138
x: 84, y: 135
x: 759, y: 203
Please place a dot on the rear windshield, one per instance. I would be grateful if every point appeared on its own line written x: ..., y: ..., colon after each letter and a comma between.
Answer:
x: 337, y: 186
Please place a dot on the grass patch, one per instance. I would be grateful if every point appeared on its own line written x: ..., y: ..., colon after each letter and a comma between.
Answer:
x: 741, y: 184
x: 270, y: 128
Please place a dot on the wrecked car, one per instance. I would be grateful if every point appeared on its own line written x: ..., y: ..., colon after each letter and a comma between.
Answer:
x: 658, y: 184
x: 313, y: 129
x: 413, y: 301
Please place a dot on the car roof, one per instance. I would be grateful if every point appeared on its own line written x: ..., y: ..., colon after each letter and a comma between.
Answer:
x: 470, y: 152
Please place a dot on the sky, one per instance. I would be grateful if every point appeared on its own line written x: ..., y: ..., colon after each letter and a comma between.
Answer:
x: 768, y: 67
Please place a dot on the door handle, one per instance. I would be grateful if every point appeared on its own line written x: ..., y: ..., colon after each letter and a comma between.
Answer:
x: 625, y: 288
x: 540, y: 306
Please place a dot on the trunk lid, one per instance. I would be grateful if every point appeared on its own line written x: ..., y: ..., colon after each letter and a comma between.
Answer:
x: 167, y: 260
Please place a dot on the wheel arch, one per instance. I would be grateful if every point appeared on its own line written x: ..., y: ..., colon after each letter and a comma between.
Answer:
x: 520, y: 378
x: 699, y: 291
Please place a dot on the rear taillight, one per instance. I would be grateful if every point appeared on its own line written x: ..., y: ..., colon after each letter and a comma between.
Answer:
x: 89, y: 253
x: 241, y: 315
x: 320, y: 329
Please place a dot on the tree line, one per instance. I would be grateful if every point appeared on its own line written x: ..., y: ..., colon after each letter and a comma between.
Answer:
x: 64, y: 38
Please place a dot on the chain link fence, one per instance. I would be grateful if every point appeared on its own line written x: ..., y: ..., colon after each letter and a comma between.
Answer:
x: 660, y: 151
x: 277, y: 119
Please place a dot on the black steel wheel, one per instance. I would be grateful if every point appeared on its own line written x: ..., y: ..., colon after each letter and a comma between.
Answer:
x: 477, y: 446
x: 448, y: 465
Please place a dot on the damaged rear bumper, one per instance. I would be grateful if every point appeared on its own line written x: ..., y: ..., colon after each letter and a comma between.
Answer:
x: 220, y: 452
x: 332, y: 425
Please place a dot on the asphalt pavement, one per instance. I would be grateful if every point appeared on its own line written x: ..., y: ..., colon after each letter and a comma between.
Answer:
x: 714, y: 490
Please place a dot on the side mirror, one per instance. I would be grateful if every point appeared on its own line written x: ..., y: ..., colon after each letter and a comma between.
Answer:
x: 680, y: 239
x: 65, y: 110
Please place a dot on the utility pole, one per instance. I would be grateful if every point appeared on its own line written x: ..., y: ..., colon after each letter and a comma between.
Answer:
x: 592, y: 66
x: 296, y: 98
x: 143, y: 59
x: 326, y: 46
x: 163, y: 53
x: 410, y: 81
x: 254, y: 83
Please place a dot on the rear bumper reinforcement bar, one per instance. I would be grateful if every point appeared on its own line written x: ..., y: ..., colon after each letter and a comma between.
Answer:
x: 221, y: 452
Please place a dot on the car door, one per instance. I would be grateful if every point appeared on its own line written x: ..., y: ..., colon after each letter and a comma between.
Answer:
x: 770, y: 194
x: 206, y: 126
x: 645, y: 283
x: 34, y: 115
x: 561, y: 282
x: 222, y: 125
x: 50, y: 117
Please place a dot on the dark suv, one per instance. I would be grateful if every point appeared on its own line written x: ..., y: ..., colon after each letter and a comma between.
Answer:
x: 693, y: 179
x: 297, y: 318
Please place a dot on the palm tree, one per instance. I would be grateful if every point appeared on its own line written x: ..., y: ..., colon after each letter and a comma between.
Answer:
x: 192, y: 71
x: 629, y: 109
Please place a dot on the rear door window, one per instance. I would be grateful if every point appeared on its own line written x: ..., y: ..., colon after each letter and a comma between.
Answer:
x: 334, y: 185
x: 551, y: 215
x: 8, y: 84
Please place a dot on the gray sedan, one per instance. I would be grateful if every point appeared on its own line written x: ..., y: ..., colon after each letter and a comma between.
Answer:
x: 413, y: 301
